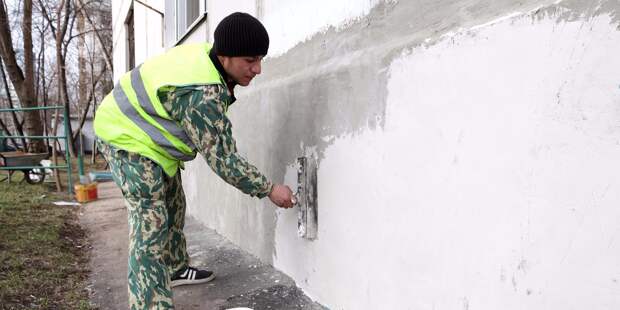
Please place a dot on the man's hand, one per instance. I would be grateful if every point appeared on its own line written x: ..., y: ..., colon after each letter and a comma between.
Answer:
x: 282, y: 196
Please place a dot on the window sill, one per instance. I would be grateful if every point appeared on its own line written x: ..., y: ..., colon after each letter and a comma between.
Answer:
x: 191, y: 28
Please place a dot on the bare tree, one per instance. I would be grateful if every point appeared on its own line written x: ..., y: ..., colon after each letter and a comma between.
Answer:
x: 64, y: 20
x: 22, y: 79
x: 91, y: 53
x: 41, y: 89
x: 17, y: 124
x: 90, y: 19
x: 105, y: 48
x: 5, y: 128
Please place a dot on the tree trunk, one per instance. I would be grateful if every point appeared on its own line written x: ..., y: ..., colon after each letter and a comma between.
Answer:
x: 5, y: 131
x: 55, y: 151
x: 32, y: 119
x: 23, y: 81
x: 61, y: 27
x: 16, y: 123
x: 46, y: 120
x: 83, y: 100
x: 82, y: 62
x: 89, y: 99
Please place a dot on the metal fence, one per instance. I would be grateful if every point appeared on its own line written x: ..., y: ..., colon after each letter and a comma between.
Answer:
x: 22, y: 165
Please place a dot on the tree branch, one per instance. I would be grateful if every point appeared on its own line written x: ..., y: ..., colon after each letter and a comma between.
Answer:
x: 47, y: 17
x: 106, y: 52
x: 90, y: 97
x: 87, y: 32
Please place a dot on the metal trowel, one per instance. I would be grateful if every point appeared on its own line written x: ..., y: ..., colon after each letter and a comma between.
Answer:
x: 306, y: 198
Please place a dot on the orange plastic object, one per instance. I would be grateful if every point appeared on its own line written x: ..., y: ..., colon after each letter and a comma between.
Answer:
x: 86, y: 192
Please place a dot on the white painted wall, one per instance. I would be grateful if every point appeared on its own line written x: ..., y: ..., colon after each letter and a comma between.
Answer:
x: 494, y: 184
x: 217, y: 10
x: 147, y: 29
x: 198, y: 35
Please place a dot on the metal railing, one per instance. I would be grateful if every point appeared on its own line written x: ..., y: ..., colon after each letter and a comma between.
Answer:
x: 66, y: 166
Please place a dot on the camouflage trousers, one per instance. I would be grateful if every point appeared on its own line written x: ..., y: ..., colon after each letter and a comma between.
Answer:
x: 156, y: 214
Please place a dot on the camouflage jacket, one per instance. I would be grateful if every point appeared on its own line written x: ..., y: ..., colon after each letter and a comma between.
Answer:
x: 201, y: 111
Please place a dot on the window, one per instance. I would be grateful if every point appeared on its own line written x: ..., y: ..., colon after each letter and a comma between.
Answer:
x: 181, y: 17
x: 187, y: 12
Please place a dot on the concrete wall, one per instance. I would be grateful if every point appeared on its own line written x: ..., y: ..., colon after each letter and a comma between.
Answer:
x: 468, y: 152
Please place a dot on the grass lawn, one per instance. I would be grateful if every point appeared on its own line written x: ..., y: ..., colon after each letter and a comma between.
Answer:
x: 43, y: 250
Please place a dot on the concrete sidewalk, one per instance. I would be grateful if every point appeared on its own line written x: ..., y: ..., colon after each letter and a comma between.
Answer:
x: 241, y: 280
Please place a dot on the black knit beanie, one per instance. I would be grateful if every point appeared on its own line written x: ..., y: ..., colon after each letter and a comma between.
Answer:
x: 240, y: 34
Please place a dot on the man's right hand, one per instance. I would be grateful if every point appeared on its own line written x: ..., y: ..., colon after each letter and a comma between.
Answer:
x: 282, y: 196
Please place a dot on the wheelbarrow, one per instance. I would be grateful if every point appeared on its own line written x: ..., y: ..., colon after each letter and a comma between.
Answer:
x: 30, y: 163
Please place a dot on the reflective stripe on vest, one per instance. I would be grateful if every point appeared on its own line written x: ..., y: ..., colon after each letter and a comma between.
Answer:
x: 145, y: 103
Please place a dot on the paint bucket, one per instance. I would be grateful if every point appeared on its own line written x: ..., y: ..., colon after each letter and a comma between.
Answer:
x: 91, y: 189
x: 86, y: 192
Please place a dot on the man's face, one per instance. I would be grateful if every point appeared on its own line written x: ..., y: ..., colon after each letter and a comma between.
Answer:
x: 242, y: 69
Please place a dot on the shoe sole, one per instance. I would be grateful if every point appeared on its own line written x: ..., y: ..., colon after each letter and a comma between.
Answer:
x: 190, y: 282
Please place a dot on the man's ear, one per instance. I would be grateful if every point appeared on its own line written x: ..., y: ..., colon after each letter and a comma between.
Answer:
x: 224, y: 60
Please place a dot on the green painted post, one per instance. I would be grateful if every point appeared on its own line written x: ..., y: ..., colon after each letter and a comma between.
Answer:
x: 3, y: 144
x: 67, y: 154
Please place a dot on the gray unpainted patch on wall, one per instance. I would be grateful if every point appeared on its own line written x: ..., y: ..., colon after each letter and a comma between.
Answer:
x: 334, y: 84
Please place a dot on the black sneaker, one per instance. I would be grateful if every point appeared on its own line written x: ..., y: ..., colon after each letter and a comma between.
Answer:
x: 191, y: 275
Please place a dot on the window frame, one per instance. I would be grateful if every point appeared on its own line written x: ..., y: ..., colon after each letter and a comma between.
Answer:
x: 202, y: 15
x: 130, y: 40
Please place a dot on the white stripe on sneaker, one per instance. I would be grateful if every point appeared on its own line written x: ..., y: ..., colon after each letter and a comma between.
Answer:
x: 189, y: 281
x: 185, y: 273
x: 192, y: 275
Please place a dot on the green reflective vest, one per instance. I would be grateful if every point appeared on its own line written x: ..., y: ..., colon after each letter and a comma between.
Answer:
x: 132, y: 118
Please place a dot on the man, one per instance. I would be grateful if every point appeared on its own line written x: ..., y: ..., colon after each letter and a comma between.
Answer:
x: 158, y: 116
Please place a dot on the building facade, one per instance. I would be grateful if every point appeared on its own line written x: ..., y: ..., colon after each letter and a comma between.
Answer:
x: 467, y: 149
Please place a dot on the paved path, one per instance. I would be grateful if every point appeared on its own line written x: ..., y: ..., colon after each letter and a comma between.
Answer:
x: 241, y: 280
